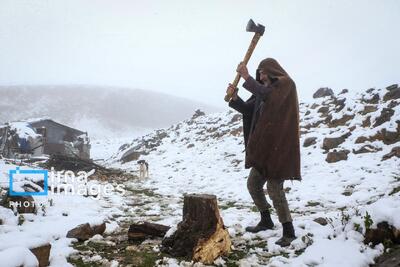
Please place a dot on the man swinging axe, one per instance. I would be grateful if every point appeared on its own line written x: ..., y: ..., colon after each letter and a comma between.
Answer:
x: 271, y: 135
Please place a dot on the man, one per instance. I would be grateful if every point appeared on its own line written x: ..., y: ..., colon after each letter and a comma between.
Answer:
x: 271, y: 134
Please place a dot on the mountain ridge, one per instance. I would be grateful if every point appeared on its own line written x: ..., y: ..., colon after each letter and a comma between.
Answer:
x: 105, y: 108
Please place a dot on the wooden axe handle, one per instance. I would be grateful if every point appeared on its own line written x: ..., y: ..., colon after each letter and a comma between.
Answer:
x: 246, y: 59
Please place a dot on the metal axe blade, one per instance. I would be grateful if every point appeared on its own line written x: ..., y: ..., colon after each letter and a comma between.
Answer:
x: 256, y: 28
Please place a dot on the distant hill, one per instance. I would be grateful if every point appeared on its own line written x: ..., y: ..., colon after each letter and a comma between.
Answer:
x: 96, y: 109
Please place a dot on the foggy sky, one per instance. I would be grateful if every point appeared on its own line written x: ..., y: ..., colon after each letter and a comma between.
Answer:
x: 191, y: 48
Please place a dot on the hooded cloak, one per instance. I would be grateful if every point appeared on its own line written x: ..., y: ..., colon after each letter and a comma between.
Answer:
x: 273, y: 147
x: 271, y: 123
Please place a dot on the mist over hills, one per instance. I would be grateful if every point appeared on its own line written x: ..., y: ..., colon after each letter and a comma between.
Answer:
x: 97, y: 109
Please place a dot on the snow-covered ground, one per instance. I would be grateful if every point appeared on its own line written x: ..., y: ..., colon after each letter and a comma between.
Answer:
x: 56, y: 215
x: 205, y: 155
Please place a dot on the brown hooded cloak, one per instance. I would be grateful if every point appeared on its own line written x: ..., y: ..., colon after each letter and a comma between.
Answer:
x: 273, y: 146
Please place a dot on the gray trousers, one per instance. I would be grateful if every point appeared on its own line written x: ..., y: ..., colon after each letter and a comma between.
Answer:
x: 255, y: 185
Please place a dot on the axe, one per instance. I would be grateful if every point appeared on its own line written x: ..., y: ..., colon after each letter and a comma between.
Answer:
x: 258, y: 32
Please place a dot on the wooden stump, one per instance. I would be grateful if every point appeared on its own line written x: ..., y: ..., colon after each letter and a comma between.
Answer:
x: 201, y: 234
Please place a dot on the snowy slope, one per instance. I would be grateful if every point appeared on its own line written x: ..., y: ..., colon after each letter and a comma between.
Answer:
x: 205, y: 155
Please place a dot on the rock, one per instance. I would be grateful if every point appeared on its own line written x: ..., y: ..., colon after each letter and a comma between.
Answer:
x: 161, y: 134
x: 42, y: 254
x: 312, y: 125
x: 314, y: 106
x: 321, y: 221
x: 394, y: 103
x: 343, y: 91
x: 392, y: 94
x: 309, y: 141
x: 123, y: 147
x: 370, y: 90
x: 303, y: 132
x: 348, y: 192
x: 390, y: 258
x: 324, y: 110
x: 322, y: 92
x: 361, y: 139
x: 373, y: 100
x: 352, y: 128
x: 382, y: 233
x: 389, y: 137
x: 236, y: 117
x: 366, y: 149
x: 395, y: 152
x: 82, y: 232
x: 130, y: 155
x: 99, y: 229
x: 367, y: 122
x: 237, y: 131
x: 339, y: 104
x: 20, y: 204
x: 145, y: 145
x: 333, y: 142
x: 312, y: 203
x: 369, y: 109
x: 190, y: 145
x: 336, y: 156
x: 341, y: 121
x: 392, y: 87
x: 385, y: 116
x: 197, y: 114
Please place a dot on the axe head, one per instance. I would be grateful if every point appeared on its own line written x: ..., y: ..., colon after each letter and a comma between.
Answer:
x: 256, y: 28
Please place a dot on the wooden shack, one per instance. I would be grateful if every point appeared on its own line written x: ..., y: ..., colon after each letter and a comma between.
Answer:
x: 62, y: 139
x: 54, y: 138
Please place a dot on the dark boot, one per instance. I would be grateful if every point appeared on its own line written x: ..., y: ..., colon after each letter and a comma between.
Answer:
x: 288, y: 235
x: 264, y: 224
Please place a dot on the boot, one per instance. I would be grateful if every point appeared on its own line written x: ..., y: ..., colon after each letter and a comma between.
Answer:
x: 264, y: 224
x: 288, y: 235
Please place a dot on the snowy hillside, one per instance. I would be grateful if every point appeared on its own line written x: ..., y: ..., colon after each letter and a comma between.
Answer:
x: 350, y: 166
x: 350, y: 158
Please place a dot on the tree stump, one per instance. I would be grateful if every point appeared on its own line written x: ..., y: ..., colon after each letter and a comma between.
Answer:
x: 201, y: 234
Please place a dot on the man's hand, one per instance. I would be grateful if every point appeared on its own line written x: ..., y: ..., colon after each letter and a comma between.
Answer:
x: 242, y: 70
x: 230, y: 91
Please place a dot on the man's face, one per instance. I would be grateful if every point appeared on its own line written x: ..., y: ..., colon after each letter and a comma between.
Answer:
x: 264, y: 78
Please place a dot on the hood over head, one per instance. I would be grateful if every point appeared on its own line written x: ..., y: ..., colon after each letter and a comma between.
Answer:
x: 273, y: 69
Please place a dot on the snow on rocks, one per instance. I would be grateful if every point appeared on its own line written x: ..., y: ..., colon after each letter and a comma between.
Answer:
x: 205, y: 155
